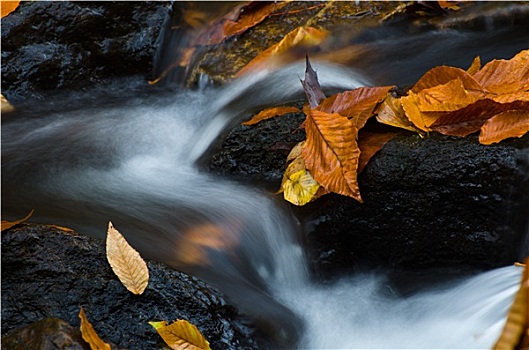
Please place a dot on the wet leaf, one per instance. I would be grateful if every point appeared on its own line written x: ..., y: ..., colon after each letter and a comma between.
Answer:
x: 517, y: 325
x: 299, y: 37
x: 89, y: 334
x: 331, y: 152
x: 8, y: 7
x: 8, y: 224
x: 126, y: 262
x: 444, y: 74
x: 270, y: 113
x: 505, y: 76
x: 513, y: 123
x: 311, y: 85
x: 391, y: 112
x: 475, y: 66
x: 370, y: 143
x: 298, y: 185
x: 181, y: 335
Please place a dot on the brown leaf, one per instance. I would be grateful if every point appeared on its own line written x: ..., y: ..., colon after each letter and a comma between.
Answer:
x: 370, y: 143
x: 299, y: 37
x: 126, y: 262
x: 331, y: 152
x: 505, y: 76
x: 513, y: 123
x: 181, y: 335
x: 444, y: 74
x: 8, y: 7
x: 410, y: 104
x: 270, y: 113
x: 311, y: 85
x: 8, y: 224
x: 475, y: 66
x: 447, y: 97
x: 89, y: 334
x: 390, y: 112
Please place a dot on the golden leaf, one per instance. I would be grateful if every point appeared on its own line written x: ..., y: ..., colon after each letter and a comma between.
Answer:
x: 390, y: 112
x: 89, y: 334
x: 513, y: 123
x: 8, y: 7
x: 517, y: 322
x: 298, y: 185
x: 8, y: 224
x: 447, y: 97
x: 6, y: 106
x: 410, y: 104
x: 444, y: 74
x: 475, y: 66
x: 270, y: 113
x: 331, y: 152
x: 299, y: 37
x: 181, y: 335
x: 126, y: 262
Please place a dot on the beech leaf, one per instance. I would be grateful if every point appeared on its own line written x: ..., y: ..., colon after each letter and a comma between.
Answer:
x: 298, y: 185
x: 331, y: 152
x: 505, y: 76
x: 513, y: 123
x: 391, y: 112
x: 8, y: 224
x: 89, y: 334
x: 475, y: 66
x: 270, y: 113
x: 8, y: 7
x: 126, y: 262
x: 181, y: 335
x: 444, y: 74
x: 311, y: 85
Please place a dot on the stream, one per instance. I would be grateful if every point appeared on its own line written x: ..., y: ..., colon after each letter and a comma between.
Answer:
x: 130, y: 156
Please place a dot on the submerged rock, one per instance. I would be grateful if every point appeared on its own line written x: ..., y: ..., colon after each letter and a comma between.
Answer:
x: 47, y: 272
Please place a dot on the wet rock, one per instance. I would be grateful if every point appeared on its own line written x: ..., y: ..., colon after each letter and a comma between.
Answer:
x: 47, y: 272
x: 437, y: 202
x: 73, y: 45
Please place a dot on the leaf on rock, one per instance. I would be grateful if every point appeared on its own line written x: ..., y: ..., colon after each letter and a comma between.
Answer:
x: 270, y: 113
x: 181, y: 335
x: 513, y: 123
x: 448, y: 97
x: 126, y: 262
x: 311, y: 85
x: 298, y: 185
x: 331, y: 153
x: 370, y: 143
x: 391, y: 112
x: 89, y: 334
x: 444, y: 74
x: 475, y: 66
x: 8, y: 224
x: 505, y: 76
x: 8, y: 7
x: 516, y: 327
x: 299, y: 37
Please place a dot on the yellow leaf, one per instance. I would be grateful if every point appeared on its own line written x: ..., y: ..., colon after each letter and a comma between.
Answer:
x: 270, y: 113
x: 298, y: 185
x: 8, y: 7
x: 181, y: 335
x: 126, y: 262
x: 514, y: 123
x: 391, y: 113
x: 331, y: 152
x: 475, y: 66
x: 517, y: 320
x: 89, y: 334
x: 8, y: 224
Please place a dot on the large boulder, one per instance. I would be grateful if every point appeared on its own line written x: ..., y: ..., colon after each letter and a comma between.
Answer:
x: 47, y: 272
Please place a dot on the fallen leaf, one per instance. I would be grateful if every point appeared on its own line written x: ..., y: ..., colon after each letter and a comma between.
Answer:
x: 126, y: 262
x: 331, y: 152
x: 505, y: 76
x: 451, y: 5
x: 299, y: 37
x: 270, y: 113
x: 517, y: 324
x: 444, y: 74
x: 513, y: 123
x: 8, y: 224
x: 391, y: 112
x: 6, y: 106
x: 311, y: 85
x: 181, y: 335
x: 89, y: 334
x: 298, y: 185
x: 475, y: 66
x: 8, y: 7
x: 370, y: 143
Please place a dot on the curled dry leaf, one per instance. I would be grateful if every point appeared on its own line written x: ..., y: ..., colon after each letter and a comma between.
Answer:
x: 8, y: 224
x: 181, y: 335
x: 126, y: 262
x: 331, y: 152
x: 89, y: 334
x: 513, y: 123
x: 270, y: 113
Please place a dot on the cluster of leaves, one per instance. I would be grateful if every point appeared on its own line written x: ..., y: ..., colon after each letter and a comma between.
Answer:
x: 493, y: 99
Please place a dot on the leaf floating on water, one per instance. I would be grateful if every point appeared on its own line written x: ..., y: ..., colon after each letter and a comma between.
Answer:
x: 181, y: 335
x: 270, y: 113
x: 8, y: 7
x: 126, y: 262
x: 89, y: 334
x: 513, y: 123
x: 8, y: 224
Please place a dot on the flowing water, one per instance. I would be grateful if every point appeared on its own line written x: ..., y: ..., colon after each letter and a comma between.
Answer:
x: 132, y: 160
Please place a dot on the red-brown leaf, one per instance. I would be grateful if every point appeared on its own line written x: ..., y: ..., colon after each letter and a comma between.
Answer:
x: 370, y: 143
x: 444, y: 74
x: 270, y: 113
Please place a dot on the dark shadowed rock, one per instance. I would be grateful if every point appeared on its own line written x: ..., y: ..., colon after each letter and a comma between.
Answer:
x: 47, y: 272
x: 52, y: 45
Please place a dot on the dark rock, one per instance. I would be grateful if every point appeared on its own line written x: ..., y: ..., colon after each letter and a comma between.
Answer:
x: 48, y: 334
x: 73, y: 45
x: 47, y: 272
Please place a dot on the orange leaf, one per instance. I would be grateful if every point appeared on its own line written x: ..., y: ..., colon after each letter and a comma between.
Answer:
x: 89, y: 334
x: 505, y: 76
x: 8, y: 7
x: 181, y: 335
x: 299, y: 37
x: 359, y: 103
x: 331, y: 152
x: 410, y: 104
x: 444, y: 74
x: 370, y: 143
x: 475, y: 66
x: 8, y: 224
x: 270, y: 113
x: 390, y: 112
x: 447, y: 97
x: 513, y: 123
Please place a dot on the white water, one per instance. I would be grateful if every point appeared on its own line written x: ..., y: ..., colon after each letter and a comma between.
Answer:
x: 134, y: 163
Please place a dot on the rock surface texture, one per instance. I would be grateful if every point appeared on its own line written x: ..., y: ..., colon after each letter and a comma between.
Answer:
x: 47, y: 272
